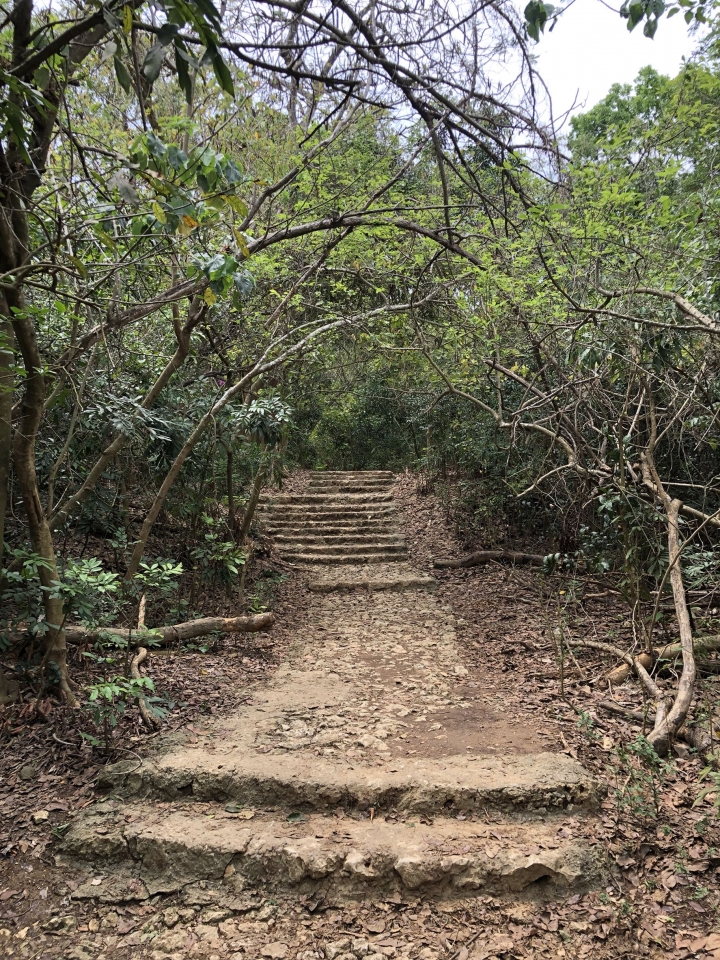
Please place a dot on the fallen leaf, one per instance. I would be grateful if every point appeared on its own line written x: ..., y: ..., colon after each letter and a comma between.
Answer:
x: 276, y: 951
x: 375, y: 926
x: 40, y: 816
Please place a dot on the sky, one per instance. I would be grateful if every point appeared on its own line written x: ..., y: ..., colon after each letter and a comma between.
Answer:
x: 591, y: 48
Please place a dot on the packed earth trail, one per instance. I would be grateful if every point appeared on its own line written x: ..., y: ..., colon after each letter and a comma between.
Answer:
x: 374, y: 767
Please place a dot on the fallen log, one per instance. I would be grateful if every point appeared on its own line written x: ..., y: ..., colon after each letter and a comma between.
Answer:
x: 488, y: 556
x: 671, y: 650
x: 619, y: 675
x: 163, y: 636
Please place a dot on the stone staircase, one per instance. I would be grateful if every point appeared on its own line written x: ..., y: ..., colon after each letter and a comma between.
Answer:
x: 374, y: 764
x: 341, y: 518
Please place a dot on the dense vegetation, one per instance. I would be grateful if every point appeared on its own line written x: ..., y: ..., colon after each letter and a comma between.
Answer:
x: 294, y: 236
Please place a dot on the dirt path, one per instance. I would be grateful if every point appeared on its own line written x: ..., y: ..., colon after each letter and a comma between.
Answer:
x: 384, y: 793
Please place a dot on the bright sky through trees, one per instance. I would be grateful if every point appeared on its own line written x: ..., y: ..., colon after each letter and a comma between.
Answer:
x: 590, y: 49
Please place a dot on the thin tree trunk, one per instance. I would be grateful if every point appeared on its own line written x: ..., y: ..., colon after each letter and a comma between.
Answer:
x: 669, y: 719
x: 666, y: 730
x: 55, y: 649
x: 196, y: 313
x: 229, y: 485
x: 68, y: 439
x: 252, y: 502
x: 6, y: 395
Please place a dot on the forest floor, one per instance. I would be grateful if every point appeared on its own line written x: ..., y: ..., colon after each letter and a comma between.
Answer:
x: 659, y: 900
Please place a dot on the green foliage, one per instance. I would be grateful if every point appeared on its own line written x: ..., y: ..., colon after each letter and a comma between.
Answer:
x: 89, y: 593
x: 22, y: 594
x: 108, y: 700
x: 640, y: 774
x: 537, y: 14
x: 220, y: 560
x: 711, y: 790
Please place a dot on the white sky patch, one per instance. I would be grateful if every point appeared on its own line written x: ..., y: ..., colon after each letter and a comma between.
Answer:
x: 591, y: 48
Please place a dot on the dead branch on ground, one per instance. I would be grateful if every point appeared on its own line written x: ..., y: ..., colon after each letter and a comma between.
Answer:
x: 179, y: 632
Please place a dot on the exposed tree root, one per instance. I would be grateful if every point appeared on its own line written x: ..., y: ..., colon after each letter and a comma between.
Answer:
x: 488, y: 556
x: 701, y: 737
x: 164, y: 636
x: 149, y: 719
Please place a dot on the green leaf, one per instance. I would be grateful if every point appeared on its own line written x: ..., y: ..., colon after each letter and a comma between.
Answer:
x: 153, y: 62
x: 127, y: 19
x: 159, y: 212
x: 80, y: 266
x: 167, y: 33
x: 126, y: 190
x: 242, y: 243
x: 155, y: 145
x: 238, y: 205
x: 222, y: 73
x: 123, y: 77
x: 41, y: 77
x: 104, y: 237
x: 184, y: 78
x: 176, y: 158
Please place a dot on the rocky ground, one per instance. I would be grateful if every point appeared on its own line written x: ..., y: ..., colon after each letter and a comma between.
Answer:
x: 402, y: 684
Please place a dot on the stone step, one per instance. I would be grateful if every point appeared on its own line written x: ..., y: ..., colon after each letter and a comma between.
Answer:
x: 351, y: 539
x: 144, y: 851
x: 343, y: 549
x: 456, y: 784
x: 321, y: 515
x: 352, y: 474
x: 341, y: 528
x: 393, y: 579
x: 349, y: 486
x: 330, y: 499
x: 307, y: 558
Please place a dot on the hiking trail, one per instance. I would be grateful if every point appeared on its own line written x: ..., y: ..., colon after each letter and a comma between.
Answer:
x: 372, y: 764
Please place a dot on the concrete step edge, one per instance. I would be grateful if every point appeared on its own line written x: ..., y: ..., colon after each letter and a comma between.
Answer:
x: 164, y: 851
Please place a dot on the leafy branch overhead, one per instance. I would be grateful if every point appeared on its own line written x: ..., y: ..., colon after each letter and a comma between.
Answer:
x: 537, y: 14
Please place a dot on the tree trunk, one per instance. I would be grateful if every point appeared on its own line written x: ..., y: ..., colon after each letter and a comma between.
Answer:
x: 252, y: 503
x: 230, y: 486
x: 668, y: 724
x: 55, y: 650
x: 6, y: 397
